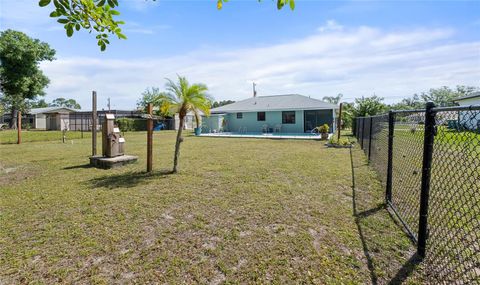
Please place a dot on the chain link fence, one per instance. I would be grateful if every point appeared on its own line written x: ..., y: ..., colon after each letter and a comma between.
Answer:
x: 429, y: 163
x: 82, y: 121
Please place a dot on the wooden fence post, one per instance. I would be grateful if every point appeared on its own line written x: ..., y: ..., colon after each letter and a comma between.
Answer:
x: 340, y: 121
x: 19, y: 127
x: 149, y: 137
x: 94, y: 123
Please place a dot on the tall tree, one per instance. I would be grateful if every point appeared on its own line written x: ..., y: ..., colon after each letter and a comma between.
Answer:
x: 410, y: 103
x: 369, y: 106
x: 20, y: 74
x: 62, y: 102
x: 347, y: 114
x: 217, y: 104
x: 39, y: 104
x: 98, y: 16
x: 182, y: 97
x: 333, y: 99
x: 444, y: 95
x: 150, y: 95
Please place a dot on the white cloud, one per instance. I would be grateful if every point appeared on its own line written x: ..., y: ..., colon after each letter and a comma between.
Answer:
x: 355, y: 62
x: 330, y: 26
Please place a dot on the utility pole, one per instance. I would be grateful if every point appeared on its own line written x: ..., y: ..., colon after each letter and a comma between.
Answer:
x: 108, y: 104
x: 254, y: 90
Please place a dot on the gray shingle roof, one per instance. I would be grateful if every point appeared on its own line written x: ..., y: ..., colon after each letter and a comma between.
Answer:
x: 34, y: 111
x: 274, y: 103
x: 473, y: 95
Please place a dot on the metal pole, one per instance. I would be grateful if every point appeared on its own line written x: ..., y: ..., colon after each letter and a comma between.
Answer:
x: 391, y: 127
x: 339, y: 120
x: 149, y: 137
x: 370, y: 139
x: 428, y: 141
x: 19, y: 127
x: 363, y: 131
x: 94, y: 123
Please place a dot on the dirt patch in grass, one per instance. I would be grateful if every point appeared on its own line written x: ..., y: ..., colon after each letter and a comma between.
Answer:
x: 14, y: 174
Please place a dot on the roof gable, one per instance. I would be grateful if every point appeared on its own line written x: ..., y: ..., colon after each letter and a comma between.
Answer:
x: 274, y: 103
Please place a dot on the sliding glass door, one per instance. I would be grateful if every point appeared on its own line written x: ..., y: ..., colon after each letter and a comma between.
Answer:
x: 315, y: 118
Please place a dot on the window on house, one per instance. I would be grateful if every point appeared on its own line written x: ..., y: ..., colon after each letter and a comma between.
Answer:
x: 288, y: 117
x: 260, y: 116
x: 239, y: 115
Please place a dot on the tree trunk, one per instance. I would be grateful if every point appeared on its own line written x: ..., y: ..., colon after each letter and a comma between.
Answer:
x: 177, y: 144
x: 13, y: 121
x: 197, y: 120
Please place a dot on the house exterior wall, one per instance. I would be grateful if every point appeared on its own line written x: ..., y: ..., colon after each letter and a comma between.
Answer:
x: 64, y: 121
x: 40, y: 121
x: 211, y: 124
x: 51, y: 121
x: 189, y: 122
x: 272, y: 119
x: 470, y: 119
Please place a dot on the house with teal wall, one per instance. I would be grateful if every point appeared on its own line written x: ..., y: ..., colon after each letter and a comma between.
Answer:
x: 291, y: 113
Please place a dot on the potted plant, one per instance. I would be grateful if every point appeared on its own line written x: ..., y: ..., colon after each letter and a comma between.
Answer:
x: 323, y: 130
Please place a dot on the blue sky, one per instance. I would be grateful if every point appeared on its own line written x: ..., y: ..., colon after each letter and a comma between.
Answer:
x: 358, y: 48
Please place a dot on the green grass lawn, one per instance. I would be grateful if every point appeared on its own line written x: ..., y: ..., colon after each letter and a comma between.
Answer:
x: 239, y: 211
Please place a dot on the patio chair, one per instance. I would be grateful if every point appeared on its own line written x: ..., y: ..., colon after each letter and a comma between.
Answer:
x: 277, y: 128
x: 265, y: 128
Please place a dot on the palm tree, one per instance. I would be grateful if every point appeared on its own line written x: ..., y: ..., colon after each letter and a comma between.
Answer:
x: 181, y: 98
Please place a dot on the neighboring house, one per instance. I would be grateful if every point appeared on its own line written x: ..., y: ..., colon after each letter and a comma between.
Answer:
x: 51, y: 118
x: 469, y: 119
x: 82, y: 119
x: 290, y: 113
x: 189, y: 121
x: 60, y: 118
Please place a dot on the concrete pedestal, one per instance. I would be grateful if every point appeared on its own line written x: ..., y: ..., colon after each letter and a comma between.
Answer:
x: 111, y: 162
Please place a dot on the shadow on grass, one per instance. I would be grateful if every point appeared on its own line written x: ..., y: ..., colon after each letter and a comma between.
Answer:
x: 366, y: 250
x: 78, y: 166
x: 127, y: 180
x: 407, y: 268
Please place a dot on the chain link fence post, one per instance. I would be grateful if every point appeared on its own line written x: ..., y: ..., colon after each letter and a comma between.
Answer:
x: 363, y: 131
x: 391, y: 128
x: 428, y: 141
x: 370, y: 139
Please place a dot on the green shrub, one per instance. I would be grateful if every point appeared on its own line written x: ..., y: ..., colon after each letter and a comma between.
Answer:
x: 342, y: 141
x: 323, y: 129
x: 131, y: 125
x: 125, y: 124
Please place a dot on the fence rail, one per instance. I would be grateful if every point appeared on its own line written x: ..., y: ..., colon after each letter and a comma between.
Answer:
x: 429, y: 163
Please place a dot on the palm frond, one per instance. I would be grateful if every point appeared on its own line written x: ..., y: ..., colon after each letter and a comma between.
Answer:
x: 188, y: 97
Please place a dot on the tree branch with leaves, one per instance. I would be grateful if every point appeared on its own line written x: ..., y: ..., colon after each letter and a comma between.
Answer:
x: 98, y: 16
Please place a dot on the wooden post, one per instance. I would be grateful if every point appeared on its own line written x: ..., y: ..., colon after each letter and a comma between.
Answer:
x: 149, y: 137
x: 19, y: 127
x: 340, y: 120
x: 94, y: 123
